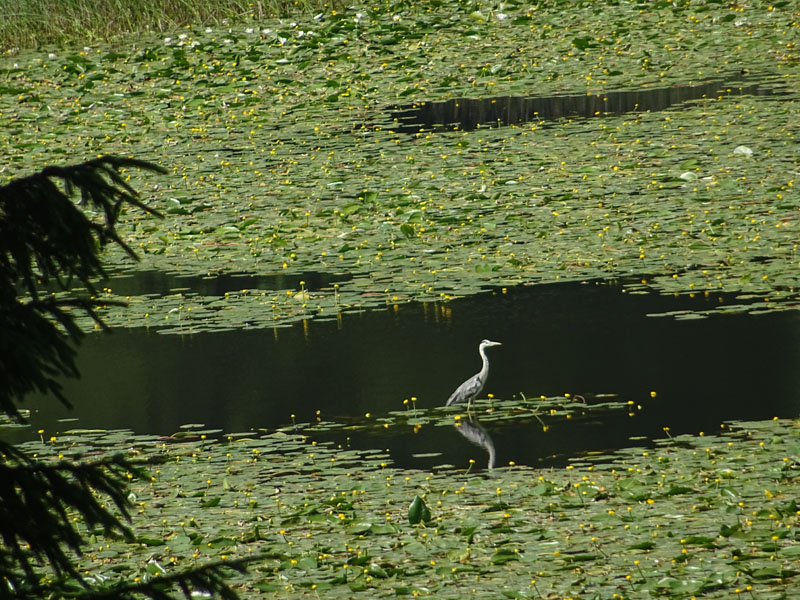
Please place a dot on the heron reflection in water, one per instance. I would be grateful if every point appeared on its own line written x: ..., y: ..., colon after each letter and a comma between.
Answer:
x: 470, y: 389
x: 475, y: 433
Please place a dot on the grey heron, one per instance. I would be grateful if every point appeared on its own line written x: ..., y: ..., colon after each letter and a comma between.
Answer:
x: 470, y: 389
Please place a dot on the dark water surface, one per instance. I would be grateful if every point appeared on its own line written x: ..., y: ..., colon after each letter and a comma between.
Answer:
x: 470, y: 113
x: 576, y: 338
x: 158, y: 283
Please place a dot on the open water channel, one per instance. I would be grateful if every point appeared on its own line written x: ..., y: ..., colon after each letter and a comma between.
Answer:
x: 577, y: 338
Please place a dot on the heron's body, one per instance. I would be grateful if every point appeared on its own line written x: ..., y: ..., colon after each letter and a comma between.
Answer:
x: 470, y: 389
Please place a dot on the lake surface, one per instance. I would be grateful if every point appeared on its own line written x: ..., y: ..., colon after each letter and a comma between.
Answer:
x: 564, y: 338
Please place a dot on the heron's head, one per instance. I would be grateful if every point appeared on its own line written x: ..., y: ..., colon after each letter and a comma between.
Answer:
x: 489, y: 343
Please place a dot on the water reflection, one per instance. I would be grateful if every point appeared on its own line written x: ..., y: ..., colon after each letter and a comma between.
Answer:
x: 470, y: 113
x: 476, y: 433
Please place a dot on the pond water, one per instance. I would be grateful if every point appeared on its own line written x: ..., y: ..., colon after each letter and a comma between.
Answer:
x: 575, y: 338
x: 158, y: 283
x: 469, y: 113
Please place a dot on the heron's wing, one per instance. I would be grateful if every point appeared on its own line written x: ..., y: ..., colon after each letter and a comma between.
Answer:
x: 467, y: 390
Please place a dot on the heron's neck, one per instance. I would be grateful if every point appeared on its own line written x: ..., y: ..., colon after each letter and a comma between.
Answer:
x: 485, y: 367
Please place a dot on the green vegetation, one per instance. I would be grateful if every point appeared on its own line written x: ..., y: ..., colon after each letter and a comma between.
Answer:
x: 712, y: 515
x: 284, y: 158
x: 45, y: 23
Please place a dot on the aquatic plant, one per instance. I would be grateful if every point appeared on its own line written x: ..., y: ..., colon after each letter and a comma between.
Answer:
x: 287, y: 158
x: 711, y: 514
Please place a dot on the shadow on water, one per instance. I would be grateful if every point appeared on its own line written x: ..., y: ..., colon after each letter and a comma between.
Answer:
x: 159, y: 283
x: 556, y: 338
x: 470, y: 113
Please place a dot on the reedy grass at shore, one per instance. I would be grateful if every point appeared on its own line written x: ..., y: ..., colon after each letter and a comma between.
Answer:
x: 36, y: 23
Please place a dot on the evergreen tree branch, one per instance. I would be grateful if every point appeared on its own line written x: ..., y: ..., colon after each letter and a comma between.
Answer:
x: 36, y: 499
x: 209, y: 578
x: 45, y: 238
